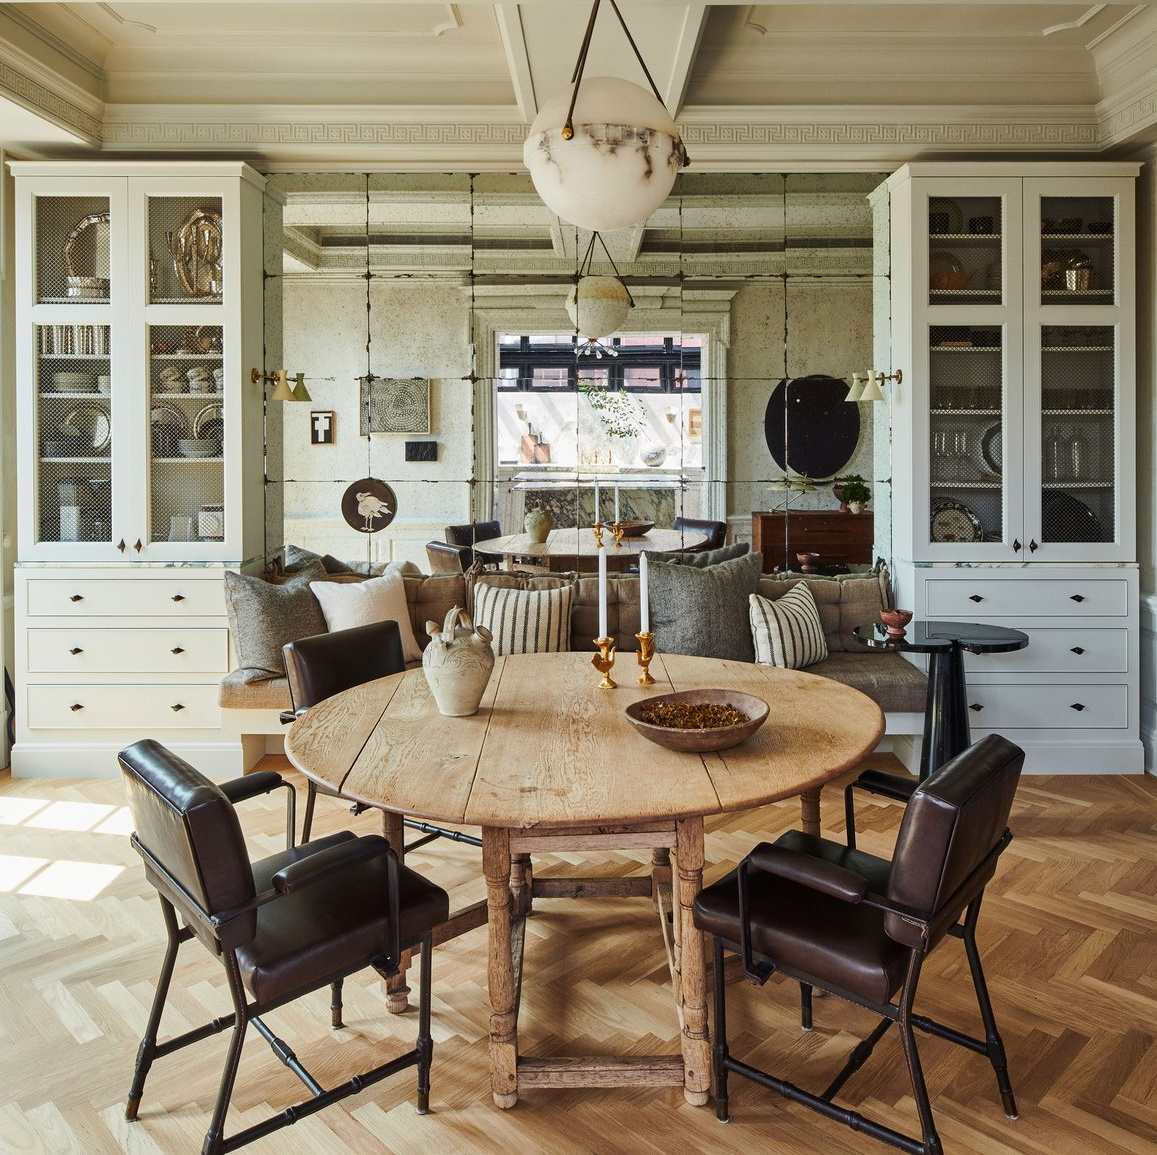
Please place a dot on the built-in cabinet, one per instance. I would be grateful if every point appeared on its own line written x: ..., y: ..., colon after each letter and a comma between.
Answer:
x: 139, y: 315
x: 1012, y: 318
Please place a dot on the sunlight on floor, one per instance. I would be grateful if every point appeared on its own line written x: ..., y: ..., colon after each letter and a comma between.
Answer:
x: 78, y: 881
x: 69, y: 816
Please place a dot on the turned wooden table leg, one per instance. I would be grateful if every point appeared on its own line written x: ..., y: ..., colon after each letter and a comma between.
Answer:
x: 500, y: 970
x: 397, y: 988
x: 660, y: 871
x: 809, y: 811
x: 521, y: 884
x: 696, y: 1040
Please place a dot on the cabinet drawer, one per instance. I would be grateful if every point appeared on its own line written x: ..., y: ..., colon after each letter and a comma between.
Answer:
x: 110, y: 651
x: 126, y: 597
x: 1063, y: 651
x: 979, y: 600
x: 1048, y: 707
x: 139, y: 708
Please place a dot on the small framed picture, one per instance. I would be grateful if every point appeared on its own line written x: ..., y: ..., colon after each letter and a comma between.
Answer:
x: 321, y: 426
x: 694, y: 424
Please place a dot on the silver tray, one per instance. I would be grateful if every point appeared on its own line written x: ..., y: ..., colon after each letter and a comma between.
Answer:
x: 90, y: 425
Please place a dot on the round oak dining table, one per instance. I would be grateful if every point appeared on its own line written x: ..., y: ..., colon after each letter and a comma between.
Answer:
x: 551, y: 763
x: 572, y: 548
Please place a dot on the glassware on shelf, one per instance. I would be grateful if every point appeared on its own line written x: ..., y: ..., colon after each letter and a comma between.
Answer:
x: 1078, y: 457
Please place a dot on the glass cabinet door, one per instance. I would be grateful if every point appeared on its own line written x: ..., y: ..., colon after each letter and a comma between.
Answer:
x: 1077, y: 244
x: 73, y: 419
x: 72, y: 250
x: 965, y: 237
x: 966, y: 447
x: 185, y: 249
x: 1078, y: 451
x: 187, y: 433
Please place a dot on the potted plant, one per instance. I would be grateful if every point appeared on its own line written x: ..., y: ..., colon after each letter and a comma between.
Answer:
x: 854, y: 493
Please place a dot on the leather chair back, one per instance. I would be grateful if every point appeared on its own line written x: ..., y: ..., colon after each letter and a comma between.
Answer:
x: 188, y: 828
x: 325, y: 664
x: 467, y: 535
x: 952, y: 824
x: 716, y: 532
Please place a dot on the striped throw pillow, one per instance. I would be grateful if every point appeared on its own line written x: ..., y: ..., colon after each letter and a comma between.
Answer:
x: 525, y: 621
x: 787, y: 632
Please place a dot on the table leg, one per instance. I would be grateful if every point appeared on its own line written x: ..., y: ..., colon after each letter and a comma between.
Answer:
x: 500, y: 970
x: 397, y: 988
x: 946, y: 731
x: 809, y: 811
x: 696, y: 1040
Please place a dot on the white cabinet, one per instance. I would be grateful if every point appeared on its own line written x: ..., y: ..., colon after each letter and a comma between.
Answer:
x: 1012, y: 312
x: 141, y: 309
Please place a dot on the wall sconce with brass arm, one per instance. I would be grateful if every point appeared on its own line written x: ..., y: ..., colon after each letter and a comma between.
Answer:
x: 281, y: 389
x: 866, y: 386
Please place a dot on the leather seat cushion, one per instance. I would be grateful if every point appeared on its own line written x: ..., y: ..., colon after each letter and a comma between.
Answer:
x: 333, y: 928
x: 839, y: 944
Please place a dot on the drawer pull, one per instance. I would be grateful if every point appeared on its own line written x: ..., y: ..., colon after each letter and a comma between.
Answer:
x: 177, y: 708
x: 1078, y: 650
x: 75, y: 706
x: 177, y: 598
x: 975, y: 598
x: 1016, y: 545
x: 137, y: 545
x: 977, y: 706
x: 1033, y: 547
x: 1077, y: 598
x: 121, y: 545
x: 1076, y: 706
x: 76, y: 598
x: 177, y: 650
x: 76, y: 650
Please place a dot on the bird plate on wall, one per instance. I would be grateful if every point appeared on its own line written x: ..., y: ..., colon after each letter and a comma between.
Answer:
x: 368, y: 505
x: 395, y: 405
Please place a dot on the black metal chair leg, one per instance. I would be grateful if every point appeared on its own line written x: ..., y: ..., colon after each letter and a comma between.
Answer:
x: 850, y: 816
x: 215, y: 1136
x: 425, y: 1042
x: 147, y: 1051
x: 307, y: 821
x: 932, y: 1144
x: 719, y: 1051
x: 335, y: 1005
x: 805, y: 1006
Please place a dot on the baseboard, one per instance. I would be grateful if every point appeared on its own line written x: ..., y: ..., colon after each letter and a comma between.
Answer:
x: 215, y: 759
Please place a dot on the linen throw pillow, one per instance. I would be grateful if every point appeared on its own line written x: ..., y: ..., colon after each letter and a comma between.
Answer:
x: 376, y: 599
x: 702, y: 558
x: 263, y: 616
x: 525, y: 621
x: 703, y: 611
x: 787, y: 632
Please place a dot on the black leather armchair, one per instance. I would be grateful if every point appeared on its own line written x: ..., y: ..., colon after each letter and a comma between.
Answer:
x: 716, y: 532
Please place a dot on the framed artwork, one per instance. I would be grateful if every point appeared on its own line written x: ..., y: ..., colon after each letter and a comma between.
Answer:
x: 695, y: 424
x: 321, y: 426
x: 369, y: 505
x: 395, y: 405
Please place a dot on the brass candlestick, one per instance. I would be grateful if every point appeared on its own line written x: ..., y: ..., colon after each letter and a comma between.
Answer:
x: 604, y: 661
x: 644, y: 655
x: 598, y: 532
x: 617, y: 529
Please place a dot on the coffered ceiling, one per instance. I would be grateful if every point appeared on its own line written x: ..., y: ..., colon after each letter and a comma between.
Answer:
x: 395, y: 85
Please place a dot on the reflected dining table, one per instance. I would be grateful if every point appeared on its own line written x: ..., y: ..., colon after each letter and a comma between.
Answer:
x: 568, y: 549
x: 549, y: 763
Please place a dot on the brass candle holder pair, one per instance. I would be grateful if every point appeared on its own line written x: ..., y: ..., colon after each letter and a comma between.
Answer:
x: 604, y: 660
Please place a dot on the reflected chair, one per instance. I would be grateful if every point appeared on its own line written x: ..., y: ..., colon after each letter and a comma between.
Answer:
x: 282, y: 927
x: 325, y: 664
x: 716, y: 532
x: 860, y: 927
x: 464, y: 536
x: 444, y: 557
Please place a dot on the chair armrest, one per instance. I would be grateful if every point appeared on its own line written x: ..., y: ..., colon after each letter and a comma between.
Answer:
x: 898, y: 787
x: 445, y: 557
x: 288, y: 716
x: 250, y: 785
x: 814, y: 873
x: 328, y: 861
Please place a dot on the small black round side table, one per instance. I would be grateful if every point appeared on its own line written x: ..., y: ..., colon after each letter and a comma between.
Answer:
x: 946, y: 731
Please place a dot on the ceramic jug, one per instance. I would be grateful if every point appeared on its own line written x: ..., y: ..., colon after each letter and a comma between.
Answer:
x: 457, y: 663
x: 538, y: 523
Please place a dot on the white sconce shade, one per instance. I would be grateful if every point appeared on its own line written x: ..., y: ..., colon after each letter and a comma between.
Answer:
x: 619, y: 165
x: 856, y: 391
x: 598, y: 306
x: 872, y: 390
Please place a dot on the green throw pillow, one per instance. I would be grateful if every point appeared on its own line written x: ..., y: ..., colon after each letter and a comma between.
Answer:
x: 704, y: 611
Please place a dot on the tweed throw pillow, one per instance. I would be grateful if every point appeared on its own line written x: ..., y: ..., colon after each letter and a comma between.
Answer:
x: 704, y: 611
x: 263, y: 616
x: 702, y: 558
x: 376, y: 599
x: 525, y: 621
x: 787, y: 632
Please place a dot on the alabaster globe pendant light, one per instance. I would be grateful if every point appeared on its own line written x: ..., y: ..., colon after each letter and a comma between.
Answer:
x: 597, y: 305
x: 603, y: 154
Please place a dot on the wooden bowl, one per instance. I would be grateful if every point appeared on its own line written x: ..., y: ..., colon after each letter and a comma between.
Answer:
x: 634, y: 528
x: 696, y: 741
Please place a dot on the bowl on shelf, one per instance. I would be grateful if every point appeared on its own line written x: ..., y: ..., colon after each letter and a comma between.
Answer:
x: 950, y: 280
x: 70, y: 381
x: 684, y: 706
x: 808, y: 561
x: 198, y: 447
x: 635, y: 527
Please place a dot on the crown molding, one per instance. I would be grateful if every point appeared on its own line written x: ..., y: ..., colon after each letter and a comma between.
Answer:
x: 23, y: 81
x: 1128, y: 113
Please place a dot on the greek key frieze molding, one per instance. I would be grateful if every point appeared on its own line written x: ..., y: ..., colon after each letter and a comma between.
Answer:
x: 26, y: 91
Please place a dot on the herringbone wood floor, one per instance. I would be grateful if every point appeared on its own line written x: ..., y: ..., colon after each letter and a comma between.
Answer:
x: 1068, y: 935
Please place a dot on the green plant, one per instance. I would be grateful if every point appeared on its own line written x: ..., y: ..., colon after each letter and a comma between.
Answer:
x: 620, y: 413
x: 854, y: 489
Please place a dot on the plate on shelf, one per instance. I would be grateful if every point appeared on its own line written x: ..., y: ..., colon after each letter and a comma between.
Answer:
x: 170, y: 415
x: 991, y: 451
x: 952, y: 521
x: 945, y: 212
x: 1066, y: 518
x: 89, y: 425
x: 946, y: 272
x: 210, y: 422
